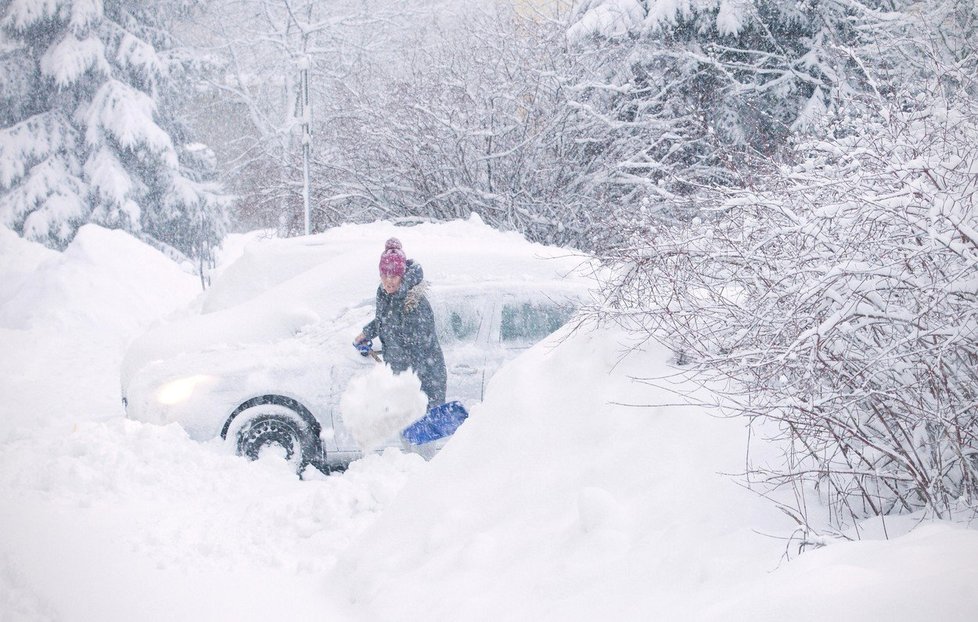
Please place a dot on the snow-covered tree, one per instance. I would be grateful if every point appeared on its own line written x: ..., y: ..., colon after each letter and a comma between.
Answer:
x: 251, y: 110
x: 472, y: 117
x: 88, y: 132
x: 701, y: 87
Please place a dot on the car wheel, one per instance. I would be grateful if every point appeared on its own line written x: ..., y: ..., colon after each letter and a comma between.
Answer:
x: 274, y: 430
x: 270, y: 432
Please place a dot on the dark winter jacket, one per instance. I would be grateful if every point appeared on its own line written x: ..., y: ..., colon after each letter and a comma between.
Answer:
x: 406, y: 326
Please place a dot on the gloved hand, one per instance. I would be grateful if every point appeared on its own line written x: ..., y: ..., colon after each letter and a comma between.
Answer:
x: 363, y: 347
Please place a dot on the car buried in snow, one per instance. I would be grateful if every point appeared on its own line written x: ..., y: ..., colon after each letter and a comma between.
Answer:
x: 263, y: 356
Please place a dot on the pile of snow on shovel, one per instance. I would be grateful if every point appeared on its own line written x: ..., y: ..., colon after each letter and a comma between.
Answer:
x: 377, y: 405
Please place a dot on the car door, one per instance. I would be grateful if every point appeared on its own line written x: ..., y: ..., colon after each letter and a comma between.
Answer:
x: 464, y: 324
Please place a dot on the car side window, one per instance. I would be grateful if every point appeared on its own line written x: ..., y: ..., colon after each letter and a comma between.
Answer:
x: 464, y: 327
x: 459, y: 321
x: 527, y: 322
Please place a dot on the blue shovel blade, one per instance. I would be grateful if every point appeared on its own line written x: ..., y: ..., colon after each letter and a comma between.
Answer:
x: 439, y: 422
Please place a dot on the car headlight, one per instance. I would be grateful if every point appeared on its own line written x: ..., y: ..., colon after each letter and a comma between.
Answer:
x: 179, y: 390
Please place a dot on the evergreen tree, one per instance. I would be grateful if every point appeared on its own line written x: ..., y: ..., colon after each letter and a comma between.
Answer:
x: 87, y: 129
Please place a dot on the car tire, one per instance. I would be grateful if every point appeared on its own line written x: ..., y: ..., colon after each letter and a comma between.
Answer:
x: 274, y: 428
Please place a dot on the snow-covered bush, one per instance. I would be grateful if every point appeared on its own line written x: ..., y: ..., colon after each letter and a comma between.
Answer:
x: 841, y: 296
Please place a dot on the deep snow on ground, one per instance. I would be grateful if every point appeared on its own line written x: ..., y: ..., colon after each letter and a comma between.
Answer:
x: 108, y: 519
x: 552, y: 502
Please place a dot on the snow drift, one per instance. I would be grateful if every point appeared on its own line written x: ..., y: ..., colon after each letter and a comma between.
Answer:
x: 576, y: 493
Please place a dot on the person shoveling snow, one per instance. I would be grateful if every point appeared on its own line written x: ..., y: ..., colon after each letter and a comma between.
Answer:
x: 405, y: 323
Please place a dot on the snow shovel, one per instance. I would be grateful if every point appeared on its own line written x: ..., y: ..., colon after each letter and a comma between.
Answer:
x: 438, y: 422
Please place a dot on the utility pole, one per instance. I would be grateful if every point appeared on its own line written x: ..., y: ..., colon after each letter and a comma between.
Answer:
x: 306, y: 132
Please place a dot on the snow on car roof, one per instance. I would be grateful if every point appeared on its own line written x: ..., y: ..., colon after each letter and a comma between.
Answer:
x: 278, y: 286
x: 451, y: 253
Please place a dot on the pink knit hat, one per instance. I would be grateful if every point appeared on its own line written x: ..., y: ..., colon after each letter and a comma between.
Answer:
x: 392, y: 260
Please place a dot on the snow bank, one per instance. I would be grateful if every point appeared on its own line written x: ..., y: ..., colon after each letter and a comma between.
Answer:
x: 576, y: 508
x: 68, y: 315
x: 377, y: 405
x: 122, y: 521
x: 19, y: 259
x: 100, y: 279
x: 928, y: 574
x: 576, y: 493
